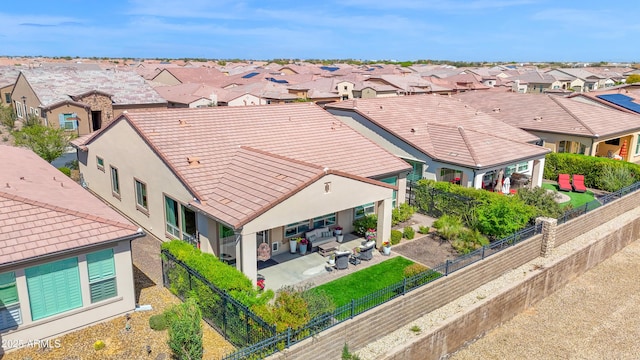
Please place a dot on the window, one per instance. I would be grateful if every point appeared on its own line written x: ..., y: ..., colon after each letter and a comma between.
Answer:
x: 171, y: 217
x: 518, y: 168
x: 10, y: 315
x: 615, y: 142
x: 100, y: 163
x: 53, y: 288
x: 363, y: 210
x: 7, y: 98
x: 68, y: 121
x: 18, y: 107
x: 141, y: 194
x: 102, y: 275
x: 416, y: 173
x: 392, y: 181
x: 115, y: 182
x: 638, y: 145
x: 573, y: 147
x: 297, y: 228
x: 325, y: 220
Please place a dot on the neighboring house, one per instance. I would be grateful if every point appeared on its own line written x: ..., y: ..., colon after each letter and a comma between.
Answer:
x: 535, y: 82
x: 194, y: 75
x: 323, y: 90
x: 565, y: 124
x: 8, y: 76
x: 624, y: 97
x: 189, y: 95
x: 368, y: 90
x: 444, y: 139
x: 231, y: 178
x: 65, y: 256
x: 81, y: 101
x: 578, y: 80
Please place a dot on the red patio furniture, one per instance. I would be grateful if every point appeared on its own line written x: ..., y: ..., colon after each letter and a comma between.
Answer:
x: 563, y: 182
x: 578, y: 183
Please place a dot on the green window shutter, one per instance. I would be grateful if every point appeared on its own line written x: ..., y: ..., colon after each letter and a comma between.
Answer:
x: 53, y: 288
x: 8, y: 289
x: 102, y: 275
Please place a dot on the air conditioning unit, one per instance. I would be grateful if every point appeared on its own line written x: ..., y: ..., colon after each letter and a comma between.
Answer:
x: 275, y: 246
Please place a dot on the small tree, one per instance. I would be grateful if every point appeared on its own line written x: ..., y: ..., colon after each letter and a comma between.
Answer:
x: 185, y: 330
x: 7, y: 117
x: 47, y: 142
x: 633, y: 78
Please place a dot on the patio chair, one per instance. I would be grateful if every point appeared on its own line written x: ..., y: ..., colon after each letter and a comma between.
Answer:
x: 342, y: 259
x: 578, y: 183
x: 366, y: 250
x: 563, y: 182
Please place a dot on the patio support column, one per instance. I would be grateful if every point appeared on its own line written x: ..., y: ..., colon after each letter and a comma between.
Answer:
x: 384, y: 221
x: 477, y: 181
x: 549, y: 226
x: 537, y: 172
x: 249, y: 258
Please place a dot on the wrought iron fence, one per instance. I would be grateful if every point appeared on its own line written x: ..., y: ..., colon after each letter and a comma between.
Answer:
x: 237, y: 323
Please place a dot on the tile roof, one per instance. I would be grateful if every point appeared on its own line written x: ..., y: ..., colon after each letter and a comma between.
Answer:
x: 42, y: 211
x: 551, y: 113
x: 8, y: 75
x: 282, y: 147
x: 55, y: 85
x: 197, y: 75
x: 447, y: 130
x: 187, y: 93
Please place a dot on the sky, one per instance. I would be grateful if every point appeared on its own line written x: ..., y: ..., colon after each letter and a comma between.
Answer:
x: 401, y: 30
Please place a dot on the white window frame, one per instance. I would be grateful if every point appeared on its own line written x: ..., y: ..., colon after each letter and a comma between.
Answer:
x: 140, y: 188
x: 115, y: 182
x: 367, y: 209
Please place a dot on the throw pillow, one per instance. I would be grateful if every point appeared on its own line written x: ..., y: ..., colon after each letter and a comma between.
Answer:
x: 326, y: 234
x: 311, y: 238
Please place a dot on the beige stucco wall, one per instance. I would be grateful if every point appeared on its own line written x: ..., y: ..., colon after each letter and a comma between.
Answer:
x: 164, y: 77
x: 53, y: 326
x: 246, y: 100
x: 146, y: 166
x: 3, y: 95
x: 83, y: 115
x: 21, y: 89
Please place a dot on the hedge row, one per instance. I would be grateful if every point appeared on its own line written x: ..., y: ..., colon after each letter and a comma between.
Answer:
x: 591, y: 167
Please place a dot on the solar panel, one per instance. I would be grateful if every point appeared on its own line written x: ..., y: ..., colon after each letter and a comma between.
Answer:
x: 621, y: 100
x: 277, y: 81
x: 329, y: 68
x: 250, y: 75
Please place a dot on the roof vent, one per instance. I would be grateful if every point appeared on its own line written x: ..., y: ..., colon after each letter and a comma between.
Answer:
x: 193, y: 161
x: 381, y: 107
x: 413, y: 130
x: 537, y: 118
x: 496, y: 110
x: 182, y: 122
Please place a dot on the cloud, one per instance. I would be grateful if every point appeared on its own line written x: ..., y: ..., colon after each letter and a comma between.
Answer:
x: 441, y: 5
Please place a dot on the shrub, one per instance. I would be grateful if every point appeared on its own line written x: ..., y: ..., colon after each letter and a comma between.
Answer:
x: 469, y: 240
x: 318, y: 302
x: 615, y: 178
x: 158, y: 322
x: 542, y: 200
x: 65, y: 170
x: 414, y: 269
x: 503, y: 216
x: 361, y: 225
x: 402, y: 213
x: 590, y: 166
x: 289, y: 309
x: 185, y: 330
x: 423, y: 229
x: 408, y: 233
x: 396, y: 236
x: 449, y: 227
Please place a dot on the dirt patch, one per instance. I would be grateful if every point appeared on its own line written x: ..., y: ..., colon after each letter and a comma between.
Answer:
x: 427, y: 249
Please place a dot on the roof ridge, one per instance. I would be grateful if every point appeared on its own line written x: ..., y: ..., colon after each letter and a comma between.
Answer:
x: 573, y: 115
x: 282, y: 157
x: 65, y: 210
x: 467, y: 143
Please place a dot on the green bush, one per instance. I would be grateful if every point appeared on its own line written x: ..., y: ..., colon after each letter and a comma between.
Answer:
x: 542, y: 200
x: 503, y: 216
x: 408, y: 233
x: 65, y: 170
x: 423, y: 229
x: 289, y: 309
x: 448, y: 227
x: 615, y: 178
x: 185, y: 330
x: 396, y: 236
x: 402, y: 213
x: 158, y: 322
x: 361, y: 225
x: 469, y: 240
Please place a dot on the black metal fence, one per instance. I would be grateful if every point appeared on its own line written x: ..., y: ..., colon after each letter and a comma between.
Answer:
x: 237, y: 323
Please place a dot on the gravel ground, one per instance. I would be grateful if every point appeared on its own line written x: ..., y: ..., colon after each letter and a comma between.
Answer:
x: 596, y: 316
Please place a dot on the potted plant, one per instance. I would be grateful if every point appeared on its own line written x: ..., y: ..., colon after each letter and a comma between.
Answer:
x: 386, y: 248
x: 293, y: 244
x: 303, y: 245
x: 338, y: 230
x: 332, y: 259
x: 370, y: 235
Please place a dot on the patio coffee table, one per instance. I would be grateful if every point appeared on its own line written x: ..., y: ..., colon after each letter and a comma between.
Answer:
x: 327, y: 248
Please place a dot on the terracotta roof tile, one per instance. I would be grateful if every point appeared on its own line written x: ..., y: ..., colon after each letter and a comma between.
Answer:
x: 447, y: 130
x: 44, y: 215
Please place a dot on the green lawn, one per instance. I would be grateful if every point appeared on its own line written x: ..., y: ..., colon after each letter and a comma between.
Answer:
x: 577, y: 199
x: 365, y: 281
